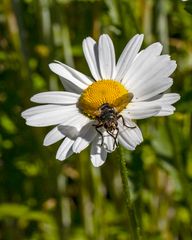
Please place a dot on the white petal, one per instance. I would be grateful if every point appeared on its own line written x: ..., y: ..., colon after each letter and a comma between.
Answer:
x: 86, y: 136
x: 109, y: 142
x: 128, y: 122
x: 76, y: 74
x: 106, y: 57
x: 166, y: 111
x: 70, y: 131
x: 129, y: 137
x: 52, y: 116
x: 165, y: 101
x: 65, y: 149
x: 98, y: 152
x: 127, y: 144
x: 147, y: 62
x: 152, y: 50
x: 90, y: 50
x: 141, y: 110
x: 152, y: 88
x: 72, y: 126
x: 167, y: 98
x: 59, y: 97
x: 52, y: 137
x: 148, y: 68
x: 127, y: 56
x: 70, y: 87
x: 71, y: 75
x: 39, y: 109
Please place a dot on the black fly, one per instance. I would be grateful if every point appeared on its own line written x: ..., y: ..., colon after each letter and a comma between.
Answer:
x: 108, y: 118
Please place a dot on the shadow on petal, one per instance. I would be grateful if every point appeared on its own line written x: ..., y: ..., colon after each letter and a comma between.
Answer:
x: 69, y: 131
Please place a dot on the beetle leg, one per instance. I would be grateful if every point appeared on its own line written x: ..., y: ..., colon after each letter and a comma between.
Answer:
x: 124, y: 124
x: 114, y: 137
x: 100, y: 133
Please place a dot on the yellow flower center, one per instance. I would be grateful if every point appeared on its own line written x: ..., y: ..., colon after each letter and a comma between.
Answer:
x: 101, y: 92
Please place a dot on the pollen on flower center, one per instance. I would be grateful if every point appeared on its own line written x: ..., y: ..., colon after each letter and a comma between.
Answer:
x: 103, y: 91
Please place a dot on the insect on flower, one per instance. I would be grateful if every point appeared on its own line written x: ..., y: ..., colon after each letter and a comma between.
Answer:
x: 100, y: 111
x: 108, y: 117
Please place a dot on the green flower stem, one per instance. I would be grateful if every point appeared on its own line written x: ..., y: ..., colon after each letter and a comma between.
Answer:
x: 134, y: 228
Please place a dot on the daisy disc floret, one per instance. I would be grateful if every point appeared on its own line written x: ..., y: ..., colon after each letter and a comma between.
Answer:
x: 102, y: 92
x: 100, y: 111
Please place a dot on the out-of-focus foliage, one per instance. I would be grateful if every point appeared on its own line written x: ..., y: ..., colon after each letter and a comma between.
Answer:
x: 41, y: 198
x: 188, y: 6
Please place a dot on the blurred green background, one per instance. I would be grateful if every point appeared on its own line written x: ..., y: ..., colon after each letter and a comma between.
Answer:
x: 44, y: 199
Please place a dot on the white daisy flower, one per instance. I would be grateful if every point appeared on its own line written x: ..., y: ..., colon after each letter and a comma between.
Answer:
x: 99, y: 110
